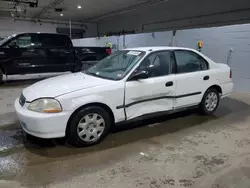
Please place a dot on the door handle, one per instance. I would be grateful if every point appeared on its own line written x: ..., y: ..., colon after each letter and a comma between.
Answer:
x: 206, y: 78
x: 31, y: 50
x: 67, y: 51
x: 169, y: 84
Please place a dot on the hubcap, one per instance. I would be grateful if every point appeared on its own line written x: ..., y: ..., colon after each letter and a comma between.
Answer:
x: 91, y: 127
x: 211, y: 101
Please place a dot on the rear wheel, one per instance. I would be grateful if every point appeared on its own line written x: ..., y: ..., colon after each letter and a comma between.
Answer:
x: 88, y: 126
x: 210, y: 101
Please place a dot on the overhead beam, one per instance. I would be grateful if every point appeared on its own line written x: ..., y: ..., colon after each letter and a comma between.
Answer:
x: 52, y: 5
x: 125, y: 10
x: 240, y: 16
x: 30, y: 2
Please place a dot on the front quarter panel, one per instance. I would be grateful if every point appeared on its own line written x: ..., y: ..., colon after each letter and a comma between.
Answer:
x: 111, y: 95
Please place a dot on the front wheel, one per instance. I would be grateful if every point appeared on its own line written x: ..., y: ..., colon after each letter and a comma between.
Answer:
x: 88, y: 126
x: 210, y: 101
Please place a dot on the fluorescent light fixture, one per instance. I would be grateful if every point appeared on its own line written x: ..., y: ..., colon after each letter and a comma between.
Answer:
x: 79, y: 6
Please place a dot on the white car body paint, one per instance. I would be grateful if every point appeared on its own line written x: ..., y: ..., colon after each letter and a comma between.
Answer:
x: 126, y: 99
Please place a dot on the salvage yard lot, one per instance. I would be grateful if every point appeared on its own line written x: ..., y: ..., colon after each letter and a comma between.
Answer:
x: 180, y: 150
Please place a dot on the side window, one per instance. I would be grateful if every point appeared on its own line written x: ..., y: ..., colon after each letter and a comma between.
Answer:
x: 158, y: 64
x: 189, y: 62
x: 50, y: 41
x: 25, y: 41
x: 61, y: 41
x: 66, y: 41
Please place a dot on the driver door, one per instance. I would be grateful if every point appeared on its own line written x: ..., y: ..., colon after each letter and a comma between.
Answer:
x: 21, y: 54
x: 155, y: 93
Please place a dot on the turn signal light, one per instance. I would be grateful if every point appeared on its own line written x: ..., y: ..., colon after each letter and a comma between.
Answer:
x: 53, y: 110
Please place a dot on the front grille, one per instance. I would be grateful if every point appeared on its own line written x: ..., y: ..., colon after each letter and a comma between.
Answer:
x: 22, y: 100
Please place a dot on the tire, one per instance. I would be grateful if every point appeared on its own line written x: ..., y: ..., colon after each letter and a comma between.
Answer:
x: 88, y: 127
x: 210, y: 102
x: 1, y: 76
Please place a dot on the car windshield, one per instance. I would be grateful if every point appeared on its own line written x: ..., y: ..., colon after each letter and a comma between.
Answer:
x: 6, y: 39
x: 117, y: 65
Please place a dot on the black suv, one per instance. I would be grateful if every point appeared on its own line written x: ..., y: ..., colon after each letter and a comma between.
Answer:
x: 45, y: 52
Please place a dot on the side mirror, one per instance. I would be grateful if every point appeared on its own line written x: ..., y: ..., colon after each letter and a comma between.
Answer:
x: 139, y: 75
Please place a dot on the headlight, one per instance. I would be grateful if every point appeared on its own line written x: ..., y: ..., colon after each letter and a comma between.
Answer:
x: 45, y: 106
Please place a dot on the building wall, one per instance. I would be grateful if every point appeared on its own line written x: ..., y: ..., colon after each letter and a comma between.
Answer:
x: 128, y: 41
x: 8, y: 27
x: 228, y: 44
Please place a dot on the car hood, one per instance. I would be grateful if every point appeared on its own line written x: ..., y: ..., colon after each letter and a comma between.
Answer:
x: 60, y: 85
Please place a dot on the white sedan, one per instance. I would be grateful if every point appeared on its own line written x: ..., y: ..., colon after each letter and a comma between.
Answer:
x: 128, y: 85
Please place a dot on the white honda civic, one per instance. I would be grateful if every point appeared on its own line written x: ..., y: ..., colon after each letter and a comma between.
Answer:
x: 128, y: 85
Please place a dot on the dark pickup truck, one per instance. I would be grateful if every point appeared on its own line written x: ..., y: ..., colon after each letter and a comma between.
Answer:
x: 30, y: 53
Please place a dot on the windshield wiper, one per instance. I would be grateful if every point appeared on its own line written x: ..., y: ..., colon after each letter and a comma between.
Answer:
x: 97, y: 75
x: 91, y: 73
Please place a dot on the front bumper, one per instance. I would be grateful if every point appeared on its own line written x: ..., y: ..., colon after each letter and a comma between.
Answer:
x: 40, y: 124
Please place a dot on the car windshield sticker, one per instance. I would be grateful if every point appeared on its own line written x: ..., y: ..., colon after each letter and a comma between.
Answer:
x: 133, y: 53
x: 119, y: 75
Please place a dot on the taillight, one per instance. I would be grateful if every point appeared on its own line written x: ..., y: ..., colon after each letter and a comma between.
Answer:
x: 108, y: 50
x: 230, y: 75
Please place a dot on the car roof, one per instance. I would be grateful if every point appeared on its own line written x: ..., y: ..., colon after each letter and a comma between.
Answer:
x: 158, y: 48
x: 21, y: 33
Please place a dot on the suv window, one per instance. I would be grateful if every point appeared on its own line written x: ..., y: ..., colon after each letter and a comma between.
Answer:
x: 158, y: 64
x: 188, y: 61
x: 48, y: 40
x: 23, y: 41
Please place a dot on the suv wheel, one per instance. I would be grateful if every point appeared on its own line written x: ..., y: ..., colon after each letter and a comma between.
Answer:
x: 88, y: 127
x: 210, y: 101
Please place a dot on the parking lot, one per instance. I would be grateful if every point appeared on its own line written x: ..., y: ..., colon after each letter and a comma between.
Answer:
x: 180, y: 150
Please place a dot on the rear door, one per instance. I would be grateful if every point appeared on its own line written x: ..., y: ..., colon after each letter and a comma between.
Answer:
x: 58, y: 53
x: 192, y: 77
x: 156, y: 93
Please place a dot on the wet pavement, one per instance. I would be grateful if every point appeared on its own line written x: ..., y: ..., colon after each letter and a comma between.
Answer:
x: 180, y: 150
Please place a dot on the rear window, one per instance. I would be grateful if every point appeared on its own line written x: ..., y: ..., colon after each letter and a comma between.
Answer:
x: 188, y: 61
x: 47, y: 40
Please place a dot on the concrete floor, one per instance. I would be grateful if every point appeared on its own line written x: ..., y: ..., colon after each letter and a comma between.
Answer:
x: 181, y: 150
